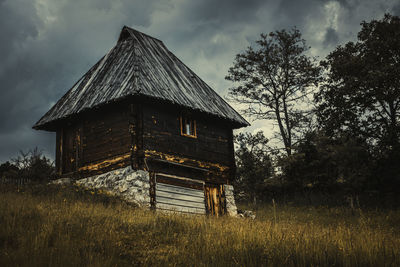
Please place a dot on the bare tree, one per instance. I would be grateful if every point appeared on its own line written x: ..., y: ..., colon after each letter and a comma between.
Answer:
x: 33, y: 166
x: 275, y: 80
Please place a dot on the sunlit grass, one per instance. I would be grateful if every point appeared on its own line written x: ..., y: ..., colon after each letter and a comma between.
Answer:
x: 72, y: 226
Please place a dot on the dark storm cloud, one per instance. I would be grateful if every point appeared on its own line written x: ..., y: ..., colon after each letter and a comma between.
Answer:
x: 331, y: 37
x: 46, y: 45
x: 224, y: 11
x: 201, y: 21
x: 297, y: 11
x: 44, y: 54
x: 396, y: 9
x: 17, y: 23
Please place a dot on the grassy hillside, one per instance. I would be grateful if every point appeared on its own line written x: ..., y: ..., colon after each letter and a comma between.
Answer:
x: 70, y: 226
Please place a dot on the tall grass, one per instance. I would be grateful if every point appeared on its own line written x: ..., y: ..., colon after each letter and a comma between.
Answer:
x: 54, y: 226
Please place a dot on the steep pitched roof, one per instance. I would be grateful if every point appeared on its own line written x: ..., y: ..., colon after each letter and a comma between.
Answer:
x: 140, y: 65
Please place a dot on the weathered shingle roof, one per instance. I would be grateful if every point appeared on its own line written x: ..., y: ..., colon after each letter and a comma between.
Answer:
x: 140, y: 65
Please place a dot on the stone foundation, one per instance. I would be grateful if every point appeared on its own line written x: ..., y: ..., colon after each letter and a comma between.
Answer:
x: 133, y: 186
x: 231, y: 208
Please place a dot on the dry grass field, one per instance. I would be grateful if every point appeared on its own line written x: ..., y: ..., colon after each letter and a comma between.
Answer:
x: 71, y: 226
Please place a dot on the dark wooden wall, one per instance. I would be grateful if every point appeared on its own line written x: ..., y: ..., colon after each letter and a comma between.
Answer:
x: 105, y: 135
x: 94, y: 143
x: 213, y: 146
x: 127, y: 133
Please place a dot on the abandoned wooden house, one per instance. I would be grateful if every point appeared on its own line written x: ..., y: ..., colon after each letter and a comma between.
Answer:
x: 140, y: 107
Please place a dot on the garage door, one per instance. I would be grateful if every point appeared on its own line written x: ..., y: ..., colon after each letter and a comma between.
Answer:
x: 179, y: 194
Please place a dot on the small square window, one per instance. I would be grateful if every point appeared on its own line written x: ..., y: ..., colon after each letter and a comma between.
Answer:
x: 188, y: 127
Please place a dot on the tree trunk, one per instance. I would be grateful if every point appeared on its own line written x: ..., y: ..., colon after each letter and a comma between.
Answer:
x: 282, y: 129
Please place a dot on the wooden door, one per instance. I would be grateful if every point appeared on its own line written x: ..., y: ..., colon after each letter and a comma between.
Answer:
x: 215, y: 199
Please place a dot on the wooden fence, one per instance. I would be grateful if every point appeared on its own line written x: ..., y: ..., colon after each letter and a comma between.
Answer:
x: 14, y: 181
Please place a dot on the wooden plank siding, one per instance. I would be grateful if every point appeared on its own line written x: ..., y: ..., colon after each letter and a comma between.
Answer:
x: 210, y: 150
x: 179, y: 194
x: 98, y: 142
x: 59, y: 148
x: 105, y: 137
x: 125, y: 134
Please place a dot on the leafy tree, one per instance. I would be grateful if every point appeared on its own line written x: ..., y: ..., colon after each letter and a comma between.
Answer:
x: 321, y: 161
x: 8, y: 170
x: 254, y: 165
x: 361, y: 94
x: 274, y: 81
x: 313, y: 162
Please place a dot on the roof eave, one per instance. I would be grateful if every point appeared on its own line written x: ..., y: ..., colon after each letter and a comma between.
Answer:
x: 53, y: 124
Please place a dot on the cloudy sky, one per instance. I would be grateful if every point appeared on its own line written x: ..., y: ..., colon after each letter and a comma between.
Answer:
x: 46, y: 45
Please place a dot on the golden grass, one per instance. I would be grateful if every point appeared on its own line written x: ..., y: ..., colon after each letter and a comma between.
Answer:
x: 53, y: 226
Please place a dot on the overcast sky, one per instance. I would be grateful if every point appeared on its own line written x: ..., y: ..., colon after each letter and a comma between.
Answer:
x: 46, y: 45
